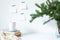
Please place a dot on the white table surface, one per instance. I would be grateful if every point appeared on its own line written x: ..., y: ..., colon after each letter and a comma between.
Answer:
x: 40, y: 36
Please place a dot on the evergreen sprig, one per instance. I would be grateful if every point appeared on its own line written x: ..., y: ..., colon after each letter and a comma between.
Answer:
x: 51, y: 8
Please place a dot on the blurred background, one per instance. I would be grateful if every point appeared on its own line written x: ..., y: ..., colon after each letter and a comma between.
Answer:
x: 15, y: 14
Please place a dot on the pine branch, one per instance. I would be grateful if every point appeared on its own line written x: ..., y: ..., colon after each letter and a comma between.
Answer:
x: 52, y: 9
x: 37, y: 5
x: 48, y: 20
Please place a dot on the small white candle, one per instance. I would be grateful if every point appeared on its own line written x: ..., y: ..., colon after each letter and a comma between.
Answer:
x: 12, y: 26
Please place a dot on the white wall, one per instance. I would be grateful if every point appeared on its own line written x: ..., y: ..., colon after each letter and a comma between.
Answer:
x: 4, y: 13
x: 8, y: 15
